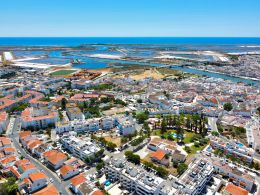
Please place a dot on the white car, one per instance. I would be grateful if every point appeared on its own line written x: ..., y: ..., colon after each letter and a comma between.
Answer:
x: 51, y: 180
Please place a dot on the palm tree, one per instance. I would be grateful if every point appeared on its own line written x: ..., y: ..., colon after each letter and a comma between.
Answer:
x: 188, y: 122
x: 163, y: 126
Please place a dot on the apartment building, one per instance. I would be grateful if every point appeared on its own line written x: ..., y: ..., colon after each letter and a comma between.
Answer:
x: 195, y: 178
x: 38, y: 118
x: 137, y: 180
x: 125, y: 124
x: 133, y: 178
x: 89, y: 125
x: 73, y: 112
x: 81, y: 84
x: 79, y: 148
x: 253, y: 133
x: 237, y: 175
x: 4, y: 121
x: 82, y: 97
x: 231, y: 147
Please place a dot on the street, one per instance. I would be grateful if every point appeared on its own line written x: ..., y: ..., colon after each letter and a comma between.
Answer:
x: 13, y: 135
x: 212, y: 123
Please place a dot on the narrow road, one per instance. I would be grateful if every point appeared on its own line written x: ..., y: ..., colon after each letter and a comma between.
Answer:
x: 13, y: 135
x: 212, y: 123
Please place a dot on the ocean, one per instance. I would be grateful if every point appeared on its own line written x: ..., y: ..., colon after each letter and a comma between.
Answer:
x: 76, y: 41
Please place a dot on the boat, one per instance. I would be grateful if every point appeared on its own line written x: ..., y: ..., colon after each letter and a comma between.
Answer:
x: 76, y: 61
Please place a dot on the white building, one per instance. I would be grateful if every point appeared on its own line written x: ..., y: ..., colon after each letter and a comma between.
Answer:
x: 137, y: 180
x: 126, y: 125
x: 73, y: 112
x: 238, y: 176
x: 89, y: 125
x: 4, y: 121
x: 38, y: 118
x: 133, y: 178
x: 233, y: 148
x: 67, y: 171
x: 79, y: 148
x: 195, y: 178
x: 81, y: 84
x: 36, y: 181
x: 253, y: 133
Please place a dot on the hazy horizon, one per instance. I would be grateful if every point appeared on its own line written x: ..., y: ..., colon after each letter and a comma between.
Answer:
x: 130, y: 18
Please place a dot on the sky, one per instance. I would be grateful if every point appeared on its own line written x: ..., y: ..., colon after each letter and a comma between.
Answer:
x: 130, y: 18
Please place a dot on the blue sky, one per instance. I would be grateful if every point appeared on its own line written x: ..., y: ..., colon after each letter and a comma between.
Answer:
x: 132, y: 18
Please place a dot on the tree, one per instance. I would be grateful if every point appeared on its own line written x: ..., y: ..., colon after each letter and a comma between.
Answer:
x: 111, y: 146
x: 147, y: 129
x: 100, y: 165
x: 139, y: 101
x: 175, y: 164
x: 215, y: 133
x: 161, y: 171
x: 197, y: 144
x: 90, y: 160
x: 220, y: 128
x: 258, y: 111
x: 163, y: 126
x: 179, y: 132
x: 182, y: 167
x: 188, y: 122
x: 195, y: 119
x: 100, y: 153
x: 228, y: 106
x: 256, y: 166
x: 134, y: 158
x: 63, y: 103
x: 187, y: 149
x: 124, y: 140
x: 141, y: 117
x: 9, y: 187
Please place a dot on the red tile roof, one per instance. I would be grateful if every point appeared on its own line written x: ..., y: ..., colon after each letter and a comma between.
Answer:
x: 66, y: 169
x: 25, y: 134
x: 54, y: 156
x: 159, y: 154
x: 8, y: 160
x: 49, y: 190
x: 33, y: 143
x: 235, y: 190
x: 14, y: 171
x: 37, y: 176
x: 9, y: 150
x: 27, y: 166
x: 26, y: 115
x: 4, y: 141
x: 98, y: 192
x: 79, y: 179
